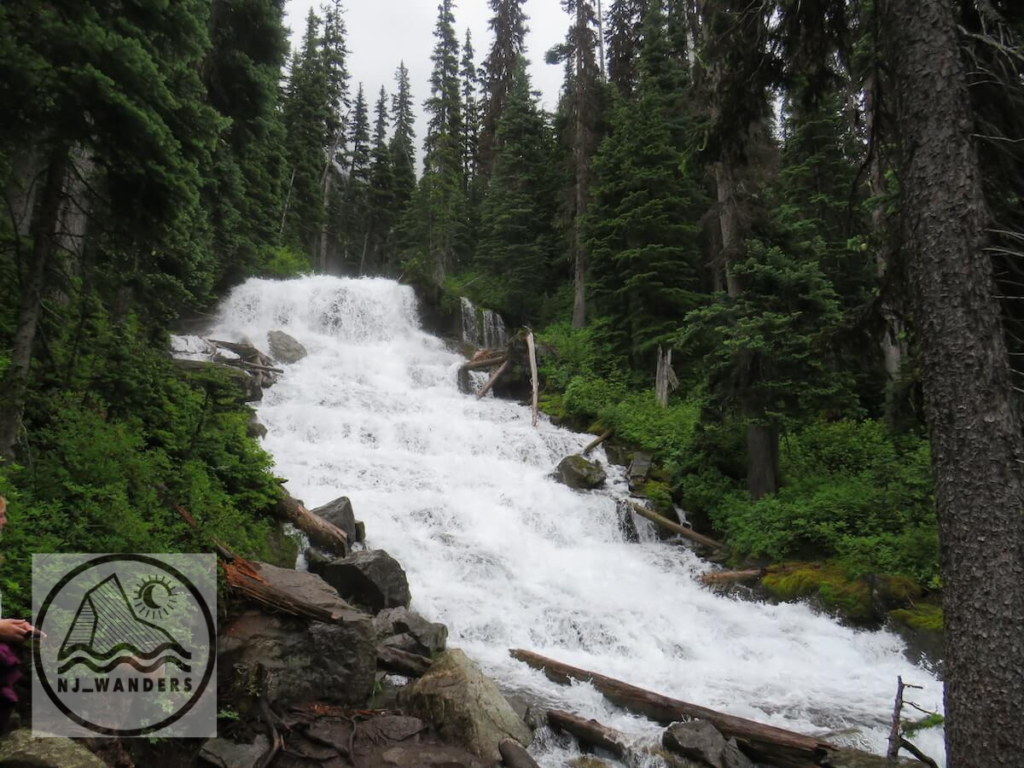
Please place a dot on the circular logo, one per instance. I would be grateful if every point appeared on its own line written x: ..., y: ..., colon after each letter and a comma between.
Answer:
x: 128, y: 643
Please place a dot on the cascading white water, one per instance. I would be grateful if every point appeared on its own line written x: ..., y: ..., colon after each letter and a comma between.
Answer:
x: 458, y: 490
x: 482, y: 328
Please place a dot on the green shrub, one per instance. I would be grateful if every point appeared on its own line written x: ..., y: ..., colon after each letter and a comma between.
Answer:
x: 283, y: 263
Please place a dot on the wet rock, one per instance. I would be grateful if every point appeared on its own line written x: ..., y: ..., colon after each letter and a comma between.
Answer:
x: 639, y: 469
x: 619, y: 455
x: 854, y: 758
x: 19, y: 749
x: 360, y: 531
x: 418, y: 756
x: 700, y: 741
x: 339, y: 513
x: 401, y: 628
x: 254, y: 428
x: 373, y: 579
x: 578, y: 473
x: 465, y: 706
x: 225, y: 753
x: 284, y: 348
x: 304, y: 659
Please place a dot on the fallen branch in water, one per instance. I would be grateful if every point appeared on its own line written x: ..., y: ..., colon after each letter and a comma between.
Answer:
x: 493, y: 380
x: 668, y: 525
x: 731, y: 577
x: 598, y: 441
x: 478, y: 365
x: 593, y: 734
x: 786, y: 749
x: 320, y: 532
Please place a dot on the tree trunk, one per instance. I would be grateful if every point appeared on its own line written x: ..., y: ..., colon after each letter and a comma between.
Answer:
x: 16, y: 379
x: 320, y: 532
x: 675, y: 528
x: 730, y: 222
x: 762, y: 460
x: 976, y: 438
x: 580, y: 160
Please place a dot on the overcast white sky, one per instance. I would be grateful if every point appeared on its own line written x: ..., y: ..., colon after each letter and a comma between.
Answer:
x: 381, y: 33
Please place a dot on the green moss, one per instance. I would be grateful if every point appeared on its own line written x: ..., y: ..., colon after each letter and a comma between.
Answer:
x: 660, y: 493
x: 849, y: 597
x: 924, y: 617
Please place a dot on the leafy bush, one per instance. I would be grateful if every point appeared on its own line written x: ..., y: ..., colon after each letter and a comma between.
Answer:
x: 283, y: 263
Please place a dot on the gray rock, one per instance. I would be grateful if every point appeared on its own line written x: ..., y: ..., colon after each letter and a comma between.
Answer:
x: 225, y: 753
x: 339, y: 514
x: 254, y: 428
x: 360, y: 531
x: 578, y: 473
x: 639, y: 469
x: 700, y: 741
x: 304, y: 659
x: 284, y: 348
x: 465, y: 706
x: 423, y: 755
x: 401, y: 628
x: 373, y: 579
x: 19, y: 749
x: 617, y: 454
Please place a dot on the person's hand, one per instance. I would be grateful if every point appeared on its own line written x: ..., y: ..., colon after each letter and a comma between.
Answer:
x: 16, y: 630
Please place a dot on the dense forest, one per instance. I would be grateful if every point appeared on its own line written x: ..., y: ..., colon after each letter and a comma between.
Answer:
x: 810, y: 213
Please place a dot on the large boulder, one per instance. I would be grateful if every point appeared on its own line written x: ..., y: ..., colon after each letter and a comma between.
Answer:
x: 303, y: 659
x: 465, y: 706
x: 373, y: 579
x: 401, y: 628
x: 578, y: 473
x: 340, y: 514
x: 701, y: 742
x: 285, y: 348
x: 19, y: 749
x: 225, y: 753
x: 639, y: 469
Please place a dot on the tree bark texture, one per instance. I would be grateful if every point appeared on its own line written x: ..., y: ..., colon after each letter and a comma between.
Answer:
x: 15, y: 381
x: 976, y: 439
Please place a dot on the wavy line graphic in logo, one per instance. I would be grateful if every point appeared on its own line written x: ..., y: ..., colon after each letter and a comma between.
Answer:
x: 108, y: 632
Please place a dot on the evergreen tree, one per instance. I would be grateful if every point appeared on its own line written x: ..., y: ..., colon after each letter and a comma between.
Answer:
x: 623, y: 33
x: 357, y: 195
x: 470, y: 112
x: 403, y: 142
x: 334, y: 48
x: 508, y: 24
x: 442, y: 188
x: 381, y: 218
x: 517, y: 240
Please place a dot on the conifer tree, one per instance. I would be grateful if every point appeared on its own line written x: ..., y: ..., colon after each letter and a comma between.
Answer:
x: 470, y: 112
x: 508, y: 24
x: 403, y: 141
x: 623, y: 33
x: 357, y: 195
x: 517, y: 236
x: 381, y: 218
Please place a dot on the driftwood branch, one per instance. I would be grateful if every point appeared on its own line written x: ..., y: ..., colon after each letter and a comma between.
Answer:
x: 534, y: 377
x: 921, y: 756
x: 786, y: 749
x: 598, y: 441
x: 681, y: 530
x: 320, y: 532
x: 243, y: 578
x: 479, y: 365
x: 895, y: 731
x: 593, y: 734
x: 731, y: 577
x: 401, y: 662
x: 493, y: 380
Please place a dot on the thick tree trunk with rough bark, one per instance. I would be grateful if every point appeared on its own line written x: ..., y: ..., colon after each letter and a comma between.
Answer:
x: 15, y: 382
x: 976, y: 438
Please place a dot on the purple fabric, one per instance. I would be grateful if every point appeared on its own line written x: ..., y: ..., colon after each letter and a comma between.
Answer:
x: 10, y: 673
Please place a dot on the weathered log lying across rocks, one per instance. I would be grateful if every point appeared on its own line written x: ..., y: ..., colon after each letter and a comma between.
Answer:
x: 320, y: 532
x: 593, y: 734
x: 598, y: 441
x: 732, y: 577
x: 514, y: 755
x: 479, y: 365
x: 777, y: 746
x: 493, y: 380
x: 668, y: 525
x: 401, y: 662
x: 244, y: 578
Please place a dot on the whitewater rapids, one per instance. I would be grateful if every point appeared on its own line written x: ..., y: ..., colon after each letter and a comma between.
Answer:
x: 458, y: 490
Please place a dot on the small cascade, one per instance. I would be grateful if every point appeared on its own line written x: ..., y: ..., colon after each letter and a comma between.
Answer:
x: 482, y: 328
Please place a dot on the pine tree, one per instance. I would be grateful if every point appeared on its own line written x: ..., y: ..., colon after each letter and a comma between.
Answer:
x: 403, y: 142
x: 356, y: 199
x: 442, y: 187
x: 623, y: 33
x: 517, y: 240
x: 508, y: 24
x: 470, y: 113
x: 381, y: 218
x: 334, y: 48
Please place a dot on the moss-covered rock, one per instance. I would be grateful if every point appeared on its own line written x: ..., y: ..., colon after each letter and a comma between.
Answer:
x: 924, y: 617
x: 578, y: 473
x: 836, y: 592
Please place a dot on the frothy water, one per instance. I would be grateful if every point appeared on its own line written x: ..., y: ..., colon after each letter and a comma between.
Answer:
x: 458, y: 490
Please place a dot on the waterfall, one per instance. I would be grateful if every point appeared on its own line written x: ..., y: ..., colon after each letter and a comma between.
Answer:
x: 459, y: 491
x: 481, y: 327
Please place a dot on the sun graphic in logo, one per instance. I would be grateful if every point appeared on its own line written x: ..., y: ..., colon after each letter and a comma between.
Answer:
x: 154, y: 597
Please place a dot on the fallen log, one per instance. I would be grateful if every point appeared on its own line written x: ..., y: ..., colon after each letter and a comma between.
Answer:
x: 514, y: 755
x: 593, y: 734
x: 243, y: 577
x: 401, y: 662
x: 598, y: 441
x: 320, y: 532
x: 261, y: 368
x: 534, y: 377
x: 493, y: 380
x: 777, y: 746
x: 668, y: 525
x: 731, y: 577
x: 478, y: 365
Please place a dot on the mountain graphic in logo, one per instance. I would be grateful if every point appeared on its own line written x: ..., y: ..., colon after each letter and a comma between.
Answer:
x: 107, y: 632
